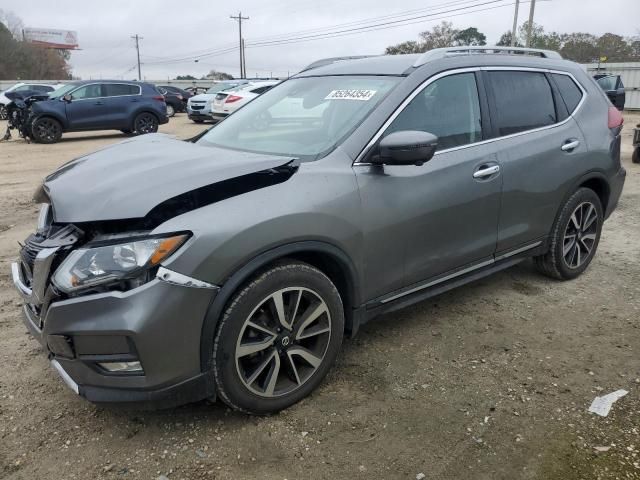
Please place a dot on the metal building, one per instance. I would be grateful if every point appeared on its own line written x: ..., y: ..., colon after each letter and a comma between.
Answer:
x: 630, y: 74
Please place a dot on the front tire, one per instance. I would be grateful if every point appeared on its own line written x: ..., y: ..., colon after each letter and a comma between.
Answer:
x: 46, y: 130
x: 170, y: 110
x: 635, y: 156
x: 574, y: 237
x: 3, y: 112
x: 277, y: 338
x: 145, y: 123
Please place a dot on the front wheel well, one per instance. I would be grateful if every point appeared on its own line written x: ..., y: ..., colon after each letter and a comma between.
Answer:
x: 600, y: 187
x: 337, y: 273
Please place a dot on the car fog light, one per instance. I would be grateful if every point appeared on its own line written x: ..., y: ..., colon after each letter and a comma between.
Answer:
x: 122, y: 367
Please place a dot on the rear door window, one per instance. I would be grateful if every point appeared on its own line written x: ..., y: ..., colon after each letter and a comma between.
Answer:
x: 523, y: 101
x: 570, y: 92
x: 448, y: 108
x: 608, y: 83
x: 119, y: 89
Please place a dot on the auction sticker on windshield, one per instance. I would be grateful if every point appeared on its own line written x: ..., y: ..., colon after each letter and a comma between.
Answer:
x: 363, y: 95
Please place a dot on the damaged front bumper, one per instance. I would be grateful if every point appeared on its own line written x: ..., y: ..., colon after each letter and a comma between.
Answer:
x: 157, y: 324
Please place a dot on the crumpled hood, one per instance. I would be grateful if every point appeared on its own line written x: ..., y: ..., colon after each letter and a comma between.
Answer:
x: 128, y: 179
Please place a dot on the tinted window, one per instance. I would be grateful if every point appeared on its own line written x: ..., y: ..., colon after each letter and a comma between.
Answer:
x: 448, y: 108
x: 261, y: 89
x: 570, y: 92
x: 88, y: 91
x: 608, y: 83
x: 42, y: 88
x: 523, y: 101
x: 117, y: 89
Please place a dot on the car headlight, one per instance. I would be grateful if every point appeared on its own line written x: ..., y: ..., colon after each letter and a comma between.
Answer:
x: 88, y: 267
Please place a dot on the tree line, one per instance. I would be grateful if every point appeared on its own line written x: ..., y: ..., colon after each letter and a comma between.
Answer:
x: 22, y: 60
x: 579, y: 47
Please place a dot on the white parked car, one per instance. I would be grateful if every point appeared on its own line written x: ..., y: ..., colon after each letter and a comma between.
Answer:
x: 228, y: 101
x: 21, y: 86
x: 199, y: 106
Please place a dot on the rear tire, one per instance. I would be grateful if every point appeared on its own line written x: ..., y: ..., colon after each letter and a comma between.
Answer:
x: 278, y: 338
x: 3, y: 112
x: 635, y: 157
x: 46, y: 130
x: 145, y: 123
x: 574, y: 237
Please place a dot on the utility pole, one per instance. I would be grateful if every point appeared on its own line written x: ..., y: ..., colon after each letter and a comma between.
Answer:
x: 530, y: 29
x: 239, y: 18
x: 515, y: 24
x: 244, y: 61
x: 137, y: 39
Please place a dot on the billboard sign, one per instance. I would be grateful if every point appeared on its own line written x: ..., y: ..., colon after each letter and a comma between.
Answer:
x: 46, y: 37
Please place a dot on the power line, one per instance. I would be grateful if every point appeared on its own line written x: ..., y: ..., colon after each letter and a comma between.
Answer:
x: 369, y: 20
x: 327, y: 30
x: 383, y: 26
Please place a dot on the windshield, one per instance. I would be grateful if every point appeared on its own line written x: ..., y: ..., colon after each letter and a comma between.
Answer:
x: 62, y: 91
x: 218, y: 87
x: 303, y: 117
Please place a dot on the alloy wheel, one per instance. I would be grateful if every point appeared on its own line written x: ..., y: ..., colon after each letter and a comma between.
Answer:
x: 47, y: 130
x: 146, y: 123
x: 283, y: 342
x: 3, y: 112
x: 580, y: 235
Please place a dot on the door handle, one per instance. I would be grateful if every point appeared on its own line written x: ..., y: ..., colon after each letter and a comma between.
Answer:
x: 99, y: 103
x: 570, y: 145
x: 487, y: 171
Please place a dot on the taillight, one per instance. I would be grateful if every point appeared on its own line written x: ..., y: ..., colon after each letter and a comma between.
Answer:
x: 615, y: 118
x: 232, y: 98
x: 158, y: 97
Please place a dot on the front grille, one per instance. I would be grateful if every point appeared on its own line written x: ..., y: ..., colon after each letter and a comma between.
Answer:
x: 197, y: 107
x: 36, y: 271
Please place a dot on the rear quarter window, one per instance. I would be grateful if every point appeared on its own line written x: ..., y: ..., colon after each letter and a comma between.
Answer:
x: 523, y: 100
x: 119, y: 89
x: 570, y: 92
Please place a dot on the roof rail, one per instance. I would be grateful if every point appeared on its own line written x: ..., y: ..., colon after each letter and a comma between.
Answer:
x: 438, y: 53
x: 329, y: 61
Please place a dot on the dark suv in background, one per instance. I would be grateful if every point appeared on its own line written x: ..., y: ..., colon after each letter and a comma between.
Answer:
x: 233, y: 264
x: 130, y: 107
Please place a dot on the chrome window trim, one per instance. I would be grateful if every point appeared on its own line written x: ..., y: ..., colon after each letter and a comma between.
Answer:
x: 139, y: 94
x: 358, y: 161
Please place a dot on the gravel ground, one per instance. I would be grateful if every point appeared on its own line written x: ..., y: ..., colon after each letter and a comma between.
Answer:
x: 490, y: 381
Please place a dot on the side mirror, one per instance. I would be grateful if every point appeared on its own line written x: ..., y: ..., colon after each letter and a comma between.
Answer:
x: 67, y: 98
x: 407, y: 147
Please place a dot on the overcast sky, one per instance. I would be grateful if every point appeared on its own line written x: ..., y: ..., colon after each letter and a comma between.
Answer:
x: 175, y: 29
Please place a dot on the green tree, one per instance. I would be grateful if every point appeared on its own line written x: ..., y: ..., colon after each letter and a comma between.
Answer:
x: 185, y: 77
x: 505, y: 40
x: 215, y: 75
x: 537, y: 35
x: 439, y: 36
x: 405, y: 47
x: 580, y: 47
x: 614, y: 47
x: 470, y: 36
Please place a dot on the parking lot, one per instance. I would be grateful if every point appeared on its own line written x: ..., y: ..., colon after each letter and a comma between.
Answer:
x: 490, y: 381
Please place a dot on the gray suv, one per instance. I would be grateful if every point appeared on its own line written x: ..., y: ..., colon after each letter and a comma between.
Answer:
x: 233, y: 264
